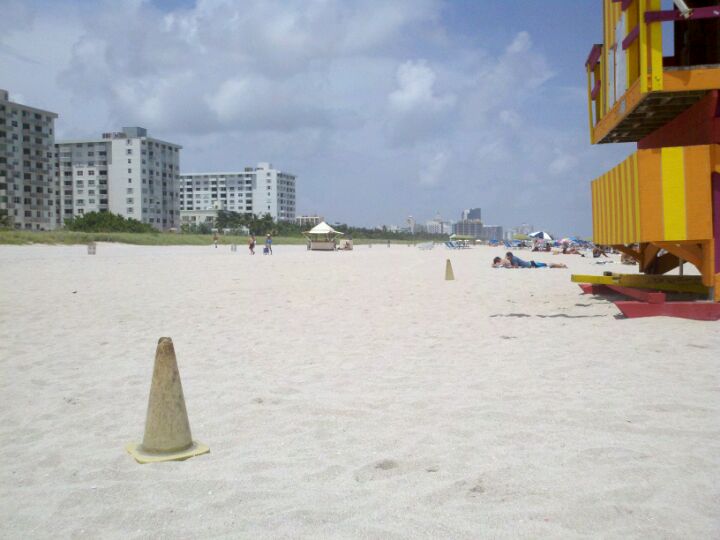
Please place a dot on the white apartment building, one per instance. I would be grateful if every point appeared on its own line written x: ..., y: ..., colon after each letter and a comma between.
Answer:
x: 28, y: 187
x: 126, y: 173
x: 256, y: 190
x: 309, y: 221
x: 438, y: 226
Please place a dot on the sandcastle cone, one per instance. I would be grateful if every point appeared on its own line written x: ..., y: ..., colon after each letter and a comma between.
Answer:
x: 449, y: 276
x: 167, y: 429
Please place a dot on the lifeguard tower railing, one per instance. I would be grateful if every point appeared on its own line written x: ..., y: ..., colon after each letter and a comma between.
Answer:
x: 662, y: 204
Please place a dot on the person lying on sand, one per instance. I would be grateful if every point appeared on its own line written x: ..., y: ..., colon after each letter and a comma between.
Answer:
x: 506, y: 263
x: 501, y: 263
x: 516, y: 262
x: 597, y: 251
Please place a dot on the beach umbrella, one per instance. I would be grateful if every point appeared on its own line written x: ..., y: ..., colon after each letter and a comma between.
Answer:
x: 542, y: 235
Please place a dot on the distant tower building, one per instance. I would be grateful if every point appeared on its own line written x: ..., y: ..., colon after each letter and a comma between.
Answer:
x: 28, y: 186
x: 471, y: 224
x: 411, y: 224
x: 126, y: 173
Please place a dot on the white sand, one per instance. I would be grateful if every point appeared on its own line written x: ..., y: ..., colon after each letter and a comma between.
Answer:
x: 349, y: 395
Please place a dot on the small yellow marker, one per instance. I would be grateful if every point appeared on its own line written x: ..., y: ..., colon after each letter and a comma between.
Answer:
x: 449, y: 276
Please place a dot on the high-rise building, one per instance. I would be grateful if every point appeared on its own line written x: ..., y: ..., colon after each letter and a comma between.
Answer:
x: 467, y: 227
x: 126, y: 173
x: 28, y: 188
x: 492, y: 232
x: 470, y: 223
x: 439, y: 226
x: 256, y: 190
x: 471, y: 214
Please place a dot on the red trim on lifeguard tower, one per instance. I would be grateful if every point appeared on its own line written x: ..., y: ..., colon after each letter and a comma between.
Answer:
x: 700, y: 124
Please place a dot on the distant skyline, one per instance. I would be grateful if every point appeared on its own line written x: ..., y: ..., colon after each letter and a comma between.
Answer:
x: 383, y: 109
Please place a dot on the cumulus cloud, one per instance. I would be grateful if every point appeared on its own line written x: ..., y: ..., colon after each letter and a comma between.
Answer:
x: 415, y: 89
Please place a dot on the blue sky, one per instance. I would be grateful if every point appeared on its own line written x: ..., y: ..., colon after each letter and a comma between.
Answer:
x: 383, y: 109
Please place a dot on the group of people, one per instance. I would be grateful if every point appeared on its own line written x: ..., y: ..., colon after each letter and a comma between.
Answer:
x: 512, y: 261
x: 267, y: 250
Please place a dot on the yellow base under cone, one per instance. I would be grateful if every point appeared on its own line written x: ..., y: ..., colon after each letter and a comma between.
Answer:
x: 167, y: 429
x: 449, y: 276
x: 143, y: 456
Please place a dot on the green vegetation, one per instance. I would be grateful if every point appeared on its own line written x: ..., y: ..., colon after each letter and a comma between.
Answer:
x: 107, y: 222
x: 107, y: 227
x: 141, y: 239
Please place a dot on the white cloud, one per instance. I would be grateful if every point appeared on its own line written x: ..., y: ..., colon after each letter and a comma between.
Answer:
x: 416, y: 91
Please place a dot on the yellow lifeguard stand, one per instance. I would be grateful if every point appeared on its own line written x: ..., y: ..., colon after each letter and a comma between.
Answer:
x: 661, y: 205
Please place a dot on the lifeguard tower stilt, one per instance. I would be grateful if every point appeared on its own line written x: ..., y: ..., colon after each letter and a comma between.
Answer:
x: 661, y: 205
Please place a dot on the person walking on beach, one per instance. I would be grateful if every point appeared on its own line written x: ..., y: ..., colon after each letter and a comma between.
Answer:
x: 251, y: 244
x: 268, y: 244
x: 215, y: 239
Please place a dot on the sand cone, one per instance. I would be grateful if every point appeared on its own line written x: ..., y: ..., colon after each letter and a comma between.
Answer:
x: 449, y: 276
x: 167, y: 429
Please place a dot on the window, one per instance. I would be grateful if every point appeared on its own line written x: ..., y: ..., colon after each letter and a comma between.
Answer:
x: 129, y: 180
x: 129, y: 200
x: 129, y: 190
x: 129, y: 151
x: 129, y: 171
x: 130, y: 210
x: 129, y: 161
x: 91, y: 173
x: 79, y: 173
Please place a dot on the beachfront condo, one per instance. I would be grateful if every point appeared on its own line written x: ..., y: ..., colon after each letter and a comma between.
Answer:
x: 126, y: 173
x: 255, y: 190
x: 27, y: 184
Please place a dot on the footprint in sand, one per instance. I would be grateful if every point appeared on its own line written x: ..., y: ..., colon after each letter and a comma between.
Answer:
x: 377, y: 470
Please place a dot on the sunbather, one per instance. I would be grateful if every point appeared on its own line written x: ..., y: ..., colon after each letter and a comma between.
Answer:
x: 517, y: 262
x: 501, y: 263
x: 508, y: 262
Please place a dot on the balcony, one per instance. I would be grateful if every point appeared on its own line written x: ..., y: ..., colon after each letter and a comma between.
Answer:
x: 632, y: 89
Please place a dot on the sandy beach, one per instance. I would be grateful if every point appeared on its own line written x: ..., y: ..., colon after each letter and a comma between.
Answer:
x: 350, y: 395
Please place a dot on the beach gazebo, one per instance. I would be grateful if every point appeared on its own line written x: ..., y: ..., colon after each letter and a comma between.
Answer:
x: 322, y: 237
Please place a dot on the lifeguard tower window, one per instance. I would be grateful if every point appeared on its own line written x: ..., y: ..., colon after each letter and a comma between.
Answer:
x: 697, y: 42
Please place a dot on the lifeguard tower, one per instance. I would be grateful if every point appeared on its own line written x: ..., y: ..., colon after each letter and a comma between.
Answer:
x: 661, y: 205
